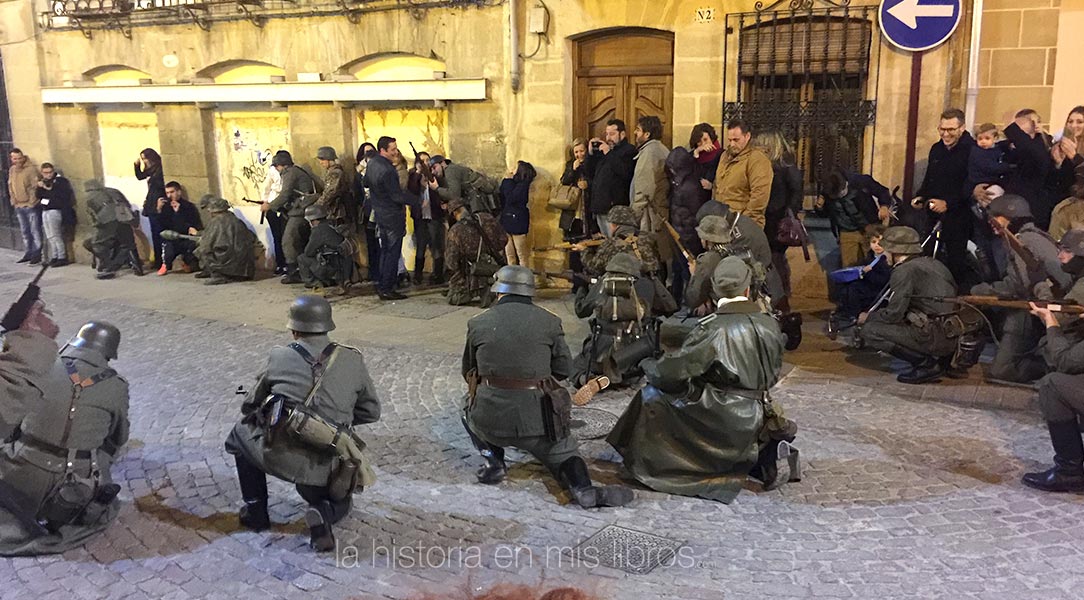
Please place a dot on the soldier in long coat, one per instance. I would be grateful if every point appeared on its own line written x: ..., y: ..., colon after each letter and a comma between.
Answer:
x: 510, y: 350
x: 344, y: 396
x: 226, y: 246
x: 74, y: 425
x: 113, y: 244
x: 472, y: 238
x: 695, y: 429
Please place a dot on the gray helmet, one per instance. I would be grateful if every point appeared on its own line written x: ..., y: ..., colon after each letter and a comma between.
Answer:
x: 326, y: 153
x: 624, y: 263
x: 436, y: 158
x: 315, y: 212
x: 1010, y: 206
x: 622, y: 215
x: 98, y: 336
x: 282, y: 158
x: 310, y: 314
x: 219, y: 205
x: 901, y: 240
x: 1073, y: 242
x: 514, y: 279
x: 714, y: 229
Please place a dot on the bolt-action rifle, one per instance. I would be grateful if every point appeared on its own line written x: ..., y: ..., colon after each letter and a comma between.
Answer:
x: 263, y: 215
x: 14, y: 317
x: 1062, y: 306
x: 587, y: 242
x: 689, y: 258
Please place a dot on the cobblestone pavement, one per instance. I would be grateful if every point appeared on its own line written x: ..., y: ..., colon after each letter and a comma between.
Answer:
x: 904, y: 495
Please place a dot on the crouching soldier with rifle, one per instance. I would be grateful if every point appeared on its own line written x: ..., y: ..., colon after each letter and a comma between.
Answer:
x: 911, y: 326
x: 56, y: 491
x: 705, y: 421
x: 514, y: 360
x: 225, y: 248
x: 297, y: 425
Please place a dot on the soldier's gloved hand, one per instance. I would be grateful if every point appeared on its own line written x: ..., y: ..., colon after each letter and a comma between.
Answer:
x: 39, y: 319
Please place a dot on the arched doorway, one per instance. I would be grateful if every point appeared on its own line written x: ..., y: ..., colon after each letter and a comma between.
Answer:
x: 623, y: 73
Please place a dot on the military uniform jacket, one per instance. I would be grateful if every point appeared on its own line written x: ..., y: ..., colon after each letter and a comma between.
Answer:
x: 346, y: 397
x: 226, y: 247
x: 1063, y: 352
x: 645, y: 248
x: 518, y: 340
x: 699, y: 290
x: 97, y: 422
x: 1019, y: 282
x: 913, y: 283
x: 25, y: 362
x: 336, y: 192
x: 463, y: 242
x: 296, y: 184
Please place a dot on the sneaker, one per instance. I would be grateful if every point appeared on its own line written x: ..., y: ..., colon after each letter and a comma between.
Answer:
x: 162, y: 270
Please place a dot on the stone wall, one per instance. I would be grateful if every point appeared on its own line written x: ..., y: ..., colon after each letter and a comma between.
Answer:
x: 1018, y: 58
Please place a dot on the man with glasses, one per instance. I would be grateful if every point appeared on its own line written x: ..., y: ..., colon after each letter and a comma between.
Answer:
x: 943, y: 193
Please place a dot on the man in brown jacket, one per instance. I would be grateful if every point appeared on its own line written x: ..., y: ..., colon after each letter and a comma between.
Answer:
x: 22, y: 180
x: 744, y: 178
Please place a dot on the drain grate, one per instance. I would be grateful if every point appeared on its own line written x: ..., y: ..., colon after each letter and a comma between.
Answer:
x: 628, y: 550
x: 592, y: 423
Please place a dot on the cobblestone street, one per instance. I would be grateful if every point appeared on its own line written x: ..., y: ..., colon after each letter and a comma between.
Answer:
x: 907, y: 492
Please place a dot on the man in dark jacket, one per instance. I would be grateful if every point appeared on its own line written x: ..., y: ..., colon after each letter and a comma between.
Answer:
x: 945, y: 196
x: 298, y: 187
x: 1031, y: 156
x: 57, y: 201
x: 609, y: 167
x: 317, y: 385
x: 322, y: 264
x: 909, y: 327
x: 510, y: 350
x: 179, y: 216
x: 389, y: 210
x: 428, y: 214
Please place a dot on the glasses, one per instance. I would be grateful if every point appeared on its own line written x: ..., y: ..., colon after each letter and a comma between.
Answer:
x: 948, y: 129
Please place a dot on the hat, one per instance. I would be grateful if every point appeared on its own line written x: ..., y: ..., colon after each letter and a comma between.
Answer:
x: 514, y: 279
x: 625, y: 263
x: 326, y: 153
x: 731, y: 277
x: 712, y: 207
x: 714, y: 229
x: 1073, y: 242
x: 622, y: 215
x: 436, y: 158
x: 901, y: 240
x: 1010, y: 206
x: 310, y: 314
x: 315, y: 212
x: 456, y: 204
x: 282, y: 158
x: 218, y: 205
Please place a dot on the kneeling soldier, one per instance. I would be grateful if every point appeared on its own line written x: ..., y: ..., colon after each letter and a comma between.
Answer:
x: 323, y: 263
x: 297, y: 424
x: 514, y: 357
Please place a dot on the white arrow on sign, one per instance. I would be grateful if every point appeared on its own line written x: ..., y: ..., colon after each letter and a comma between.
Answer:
x: 908, y: 12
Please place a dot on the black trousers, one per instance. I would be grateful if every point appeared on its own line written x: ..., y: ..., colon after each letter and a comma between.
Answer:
x: 429, y: 235
x: 956, y: 230
x: 183, y: 248
x: 253, y: 483
x: 277, y: 223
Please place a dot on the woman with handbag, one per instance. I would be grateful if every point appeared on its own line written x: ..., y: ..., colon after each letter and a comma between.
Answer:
x: 571, y: 199
x: 515, y: 193
x: 784, y: 204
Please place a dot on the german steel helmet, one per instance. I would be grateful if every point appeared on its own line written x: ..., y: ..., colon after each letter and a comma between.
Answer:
x: 1010, y: 206
x: 714, y: 229
x: 624, y: 263
x: 310, y: 314
x: 514, y: 279
x: 326, y: 153
x: 315, y: 212
x: 1073, y: 242
x: 98, y: 336
x: 622, y: 215
x: 282, y: 158
x: 218, y: 205
x: 901, y: 240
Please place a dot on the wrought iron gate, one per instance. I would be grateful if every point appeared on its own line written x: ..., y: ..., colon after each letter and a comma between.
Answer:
x: 803, y: 68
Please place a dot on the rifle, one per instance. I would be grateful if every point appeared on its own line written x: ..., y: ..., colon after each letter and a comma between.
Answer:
x: 689, y: 258
x: 16, y: 314
x: 171, y: 236
x: 1017, y: 247
x: 587, y: 242
x: 263, y: 215
x: 1067, y: 307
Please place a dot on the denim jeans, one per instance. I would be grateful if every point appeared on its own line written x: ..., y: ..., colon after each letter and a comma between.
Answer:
x: 30, y: 223
x: 391, y: 251
x: 53, y: 223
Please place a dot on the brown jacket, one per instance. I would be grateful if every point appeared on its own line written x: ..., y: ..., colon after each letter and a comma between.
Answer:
x: 21, y: 184
x: 744, y: 182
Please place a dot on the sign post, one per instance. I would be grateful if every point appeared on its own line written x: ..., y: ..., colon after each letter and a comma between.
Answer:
x: 916, y: 26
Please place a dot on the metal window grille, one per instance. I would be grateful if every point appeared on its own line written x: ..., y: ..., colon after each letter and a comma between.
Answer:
x: 7, y: 213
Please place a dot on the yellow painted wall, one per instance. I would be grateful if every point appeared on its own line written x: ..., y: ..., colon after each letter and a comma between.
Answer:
x: 123, y: 135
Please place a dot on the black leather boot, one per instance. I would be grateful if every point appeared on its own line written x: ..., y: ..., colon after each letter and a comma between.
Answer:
x: 292, y: 275
x: 494, y: 470
x: 319, y: 519
x: 137, y: 264
x: 1067, y: 475
x: 924, y: 368
x: 253, y: 483
x: 574, y: 476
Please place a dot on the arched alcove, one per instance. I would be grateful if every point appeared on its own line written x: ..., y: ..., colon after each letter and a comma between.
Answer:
x: 241, y: 71
x: 394, y: 66
x: 115, y: 75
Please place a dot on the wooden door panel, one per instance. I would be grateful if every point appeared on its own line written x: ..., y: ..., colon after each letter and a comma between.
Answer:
x: 652, y: 95
x: 599, y: 99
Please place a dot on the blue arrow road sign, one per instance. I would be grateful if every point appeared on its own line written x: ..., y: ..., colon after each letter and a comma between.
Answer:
x: 916, y: 25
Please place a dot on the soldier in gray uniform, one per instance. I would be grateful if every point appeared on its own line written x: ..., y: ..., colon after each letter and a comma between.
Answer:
x: 56, y: 491
x: 513, y: 350
x: 910, y: 326
x: 1021, y: 332
x: 1062, y: 405
x: 297, y: 187
x: 113, y: 244
x: 323, y: 263
x: 311, y: 383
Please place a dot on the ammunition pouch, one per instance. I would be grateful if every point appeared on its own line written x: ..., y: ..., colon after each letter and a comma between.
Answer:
x: 969, y: 348
x: 556, y: 409
x: 919, y: 320
x: 617, y: 287
x: 966, y: 321
x: 628, y: 353
x: 313, y: 430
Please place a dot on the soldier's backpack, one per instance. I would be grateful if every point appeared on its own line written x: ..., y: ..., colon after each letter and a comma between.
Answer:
x: 121, y: 207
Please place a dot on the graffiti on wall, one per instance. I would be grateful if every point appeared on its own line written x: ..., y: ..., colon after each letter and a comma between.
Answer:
x: 246, y: 143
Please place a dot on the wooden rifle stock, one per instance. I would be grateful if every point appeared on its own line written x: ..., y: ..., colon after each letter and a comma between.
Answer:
x: 1067, y: 307
x: 689, y: 258
x: 589, y: 243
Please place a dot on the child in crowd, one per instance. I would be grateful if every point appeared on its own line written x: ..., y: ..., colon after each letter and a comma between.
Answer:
x: 858, y: 287
x: 986, y: 164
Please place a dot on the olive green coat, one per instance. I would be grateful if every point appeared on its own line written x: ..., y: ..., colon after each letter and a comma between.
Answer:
x: 346, y: 397
x: 226, y: 247
x: 693, y: 430
x: 98, y: 423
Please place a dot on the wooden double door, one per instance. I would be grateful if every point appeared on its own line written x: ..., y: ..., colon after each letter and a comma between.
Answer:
x: 624, y: 74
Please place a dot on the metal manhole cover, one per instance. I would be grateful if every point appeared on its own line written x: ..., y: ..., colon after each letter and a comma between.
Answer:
x: 626, y: 549
x: 592, y: 423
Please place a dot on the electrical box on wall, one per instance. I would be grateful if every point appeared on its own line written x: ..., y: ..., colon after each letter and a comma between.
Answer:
x: 538, y: 19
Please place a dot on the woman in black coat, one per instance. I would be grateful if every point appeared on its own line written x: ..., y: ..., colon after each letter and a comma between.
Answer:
x: 687, y: 195
x: 149, y: 167
x: 785, y: 196
x: 515, y: 216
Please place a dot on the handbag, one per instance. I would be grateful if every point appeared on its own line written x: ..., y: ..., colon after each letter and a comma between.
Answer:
x: 566, y: 197
x: 791, y: 232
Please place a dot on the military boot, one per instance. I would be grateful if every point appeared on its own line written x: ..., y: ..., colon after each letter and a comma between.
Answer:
x: 137, y: 264
x: 924, y: 368
x: 574, y: 476
x: 1067, y: 475
x: 292, y: 275
x: 319, y: 519
x: 494, y: 470
x: 253, y: 484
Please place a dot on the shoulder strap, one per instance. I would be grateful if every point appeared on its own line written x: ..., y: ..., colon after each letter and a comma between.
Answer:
x: 319, y: 365
x: 78, y: 385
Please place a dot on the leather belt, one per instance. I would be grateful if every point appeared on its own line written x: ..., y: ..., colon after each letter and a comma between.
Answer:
x: 507, y: 383
x: 47, y: 448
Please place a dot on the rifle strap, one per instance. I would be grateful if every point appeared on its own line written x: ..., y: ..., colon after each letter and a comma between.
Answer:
x: 319, y: 366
